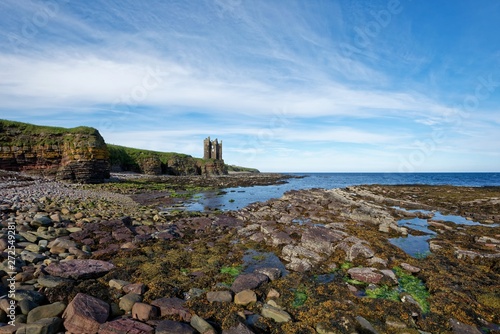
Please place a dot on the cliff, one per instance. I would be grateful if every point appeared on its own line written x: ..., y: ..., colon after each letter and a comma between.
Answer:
x: 157, y: 163
x: 78, y: 154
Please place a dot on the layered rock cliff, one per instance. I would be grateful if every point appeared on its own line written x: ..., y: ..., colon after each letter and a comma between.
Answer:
x: 158, y: 163
x: 78, y: 154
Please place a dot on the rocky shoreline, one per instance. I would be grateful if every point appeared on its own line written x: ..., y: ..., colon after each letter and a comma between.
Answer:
x: 91, y: 259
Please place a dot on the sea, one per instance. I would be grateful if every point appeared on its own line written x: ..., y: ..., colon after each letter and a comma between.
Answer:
x: 239, y: 197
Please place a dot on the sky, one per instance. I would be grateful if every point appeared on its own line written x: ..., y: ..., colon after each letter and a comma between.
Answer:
x: 288, y: 86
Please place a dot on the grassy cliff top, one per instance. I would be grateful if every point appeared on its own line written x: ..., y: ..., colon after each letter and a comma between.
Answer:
x: 22, y: 134
x: 233, y: 168
x: 122, y: 154
x: 30, y: 129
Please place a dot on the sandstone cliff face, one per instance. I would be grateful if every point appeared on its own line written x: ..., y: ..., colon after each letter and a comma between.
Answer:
x: 77, y: 155
x: 213, y: 167
x: 159, y: 163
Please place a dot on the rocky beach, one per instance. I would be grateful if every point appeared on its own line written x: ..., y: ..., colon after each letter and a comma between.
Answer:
x: 110, y: 258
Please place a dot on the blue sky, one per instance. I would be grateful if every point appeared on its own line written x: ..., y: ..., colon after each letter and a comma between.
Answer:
x: 310, y: 85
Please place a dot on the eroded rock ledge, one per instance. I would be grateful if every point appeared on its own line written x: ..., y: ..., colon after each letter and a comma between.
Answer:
x: 77, y: 154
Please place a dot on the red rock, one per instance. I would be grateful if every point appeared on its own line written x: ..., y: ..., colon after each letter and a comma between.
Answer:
x: 173, y: 327
x: 248, y: 282
x: 461, y: 328
x: 85, y: 314
x: 122, y: 234
x: 110, y: 250
x: 321, y: 240
x: 410, y: 268
x: 79, y: 269
x: 240, y: 329
x: 172, y: 306
x: 367, y: 275
x: 144, y: 312
x: 125, y: 326
x: 137, y: 288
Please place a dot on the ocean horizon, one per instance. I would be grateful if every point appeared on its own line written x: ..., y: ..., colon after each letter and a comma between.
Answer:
x: 239, y: 197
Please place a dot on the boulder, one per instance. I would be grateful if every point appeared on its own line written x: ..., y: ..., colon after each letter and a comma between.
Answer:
x: 201, y: 325
x: 275, y: 313
x: 173, y: 327
x: 137, y: 288
x: 245, y: 297
x: 410, y: 268
x: 248, y: 282
x: 46, y: 311
x: 365, y: 326
x: 219, y: 296
x: 125, y: 326
x: 42, y: 326
x: 85, y: 314
x: 144, y: 312
x: 271, y: 272
x: 461, y: 328
x: 172, y: 306
x: 128, y: 301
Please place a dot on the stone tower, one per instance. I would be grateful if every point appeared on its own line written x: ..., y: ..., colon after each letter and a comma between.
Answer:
x: 212, y: 149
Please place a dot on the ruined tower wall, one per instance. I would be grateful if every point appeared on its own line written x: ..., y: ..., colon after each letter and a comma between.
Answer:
x: 212, y: 149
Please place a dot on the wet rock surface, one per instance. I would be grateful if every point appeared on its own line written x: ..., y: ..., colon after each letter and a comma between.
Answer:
x: 90, y: 259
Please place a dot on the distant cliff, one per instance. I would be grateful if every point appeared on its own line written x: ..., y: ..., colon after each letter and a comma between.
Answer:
x: 81, y: 155
x: 78, y: 154
x: 157, y: 163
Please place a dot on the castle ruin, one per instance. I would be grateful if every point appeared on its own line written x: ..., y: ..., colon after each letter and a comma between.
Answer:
x: 212, y: 149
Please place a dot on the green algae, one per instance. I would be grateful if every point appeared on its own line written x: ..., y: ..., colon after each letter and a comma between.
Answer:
x: 384, y: 292
x: 232, y: 271
x: 415, y: 287
x: 300, y: 297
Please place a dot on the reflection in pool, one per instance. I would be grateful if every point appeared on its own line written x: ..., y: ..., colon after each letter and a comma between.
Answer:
x: 418, y: 245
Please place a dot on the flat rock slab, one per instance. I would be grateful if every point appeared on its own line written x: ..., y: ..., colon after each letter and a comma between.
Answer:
x: 79, y: 269
x: 367, y: 275
x: 125, y: 326
x: 248, y: 282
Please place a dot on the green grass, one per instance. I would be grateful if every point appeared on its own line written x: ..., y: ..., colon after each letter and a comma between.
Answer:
x: 233, y: 168
x: 130, y: 158
x: 24, y: 134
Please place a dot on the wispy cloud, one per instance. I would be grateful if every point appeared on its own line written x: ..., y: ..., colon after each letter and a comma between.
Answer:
x: 164, y: 75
